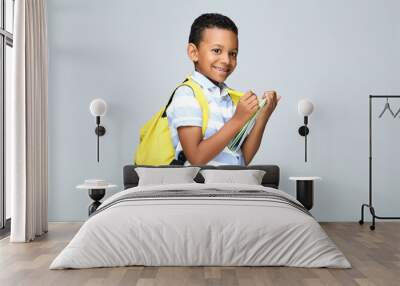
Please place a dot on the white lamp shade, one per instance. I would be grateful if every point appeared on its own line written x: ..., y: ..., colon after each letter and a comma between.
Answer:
x: 305, y: 107
x: 98, y: 107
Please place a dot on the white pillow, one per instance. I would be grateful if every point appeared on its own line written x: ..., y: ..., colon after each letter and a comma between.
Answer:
x: 163, y: 176
x: 249, y: 177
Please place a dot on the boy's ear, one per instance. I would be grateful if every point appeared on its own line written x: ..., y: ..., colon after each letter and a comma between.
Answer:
x: 192, y: 52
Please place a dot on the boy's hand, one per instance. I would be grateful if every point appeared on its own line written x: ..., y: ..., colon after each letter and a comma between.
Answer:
x: 248, y: 104
x: 272, y: 100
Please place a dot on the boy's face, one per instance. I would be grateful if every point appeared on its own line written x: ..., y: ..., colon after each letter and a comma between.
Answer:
x: 216, y: 55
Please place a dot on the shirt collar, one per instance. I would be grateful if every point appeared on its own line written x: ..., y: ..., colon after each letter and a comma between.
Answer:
x: 208, y: 84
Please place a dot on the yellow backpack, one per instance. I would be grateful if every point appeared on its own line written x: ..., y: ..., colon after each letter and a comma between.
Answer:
x: 155, y: 143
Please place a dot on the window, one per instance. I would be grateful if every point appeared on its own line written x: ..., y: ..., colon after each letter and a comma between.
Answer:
x: 6, y: 44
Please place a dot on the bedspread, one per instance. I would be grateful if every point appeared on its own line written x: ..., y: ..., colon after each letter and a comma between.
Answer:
x: 201, y: 224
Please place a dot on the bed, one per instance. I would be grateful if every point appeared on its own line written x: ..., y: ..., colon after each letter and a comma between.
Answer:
x: 201, y: 224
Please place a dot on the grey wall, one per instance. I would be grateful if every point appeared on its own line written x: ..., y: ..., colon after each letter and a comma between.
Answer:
x: 133, y: 53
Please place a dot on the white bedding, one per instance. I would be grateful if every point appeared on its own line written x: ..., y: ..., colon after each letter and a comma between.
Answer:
x: 226, y: 231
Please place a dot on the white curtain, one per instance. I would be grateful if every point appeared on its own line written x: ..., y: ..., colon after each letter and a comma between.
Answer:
x: 28, y: 121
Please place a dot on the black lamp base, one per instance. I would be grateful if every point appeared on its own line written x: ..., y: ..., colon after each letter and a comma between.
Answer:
x: 303, y: 130
x: 100, y: 130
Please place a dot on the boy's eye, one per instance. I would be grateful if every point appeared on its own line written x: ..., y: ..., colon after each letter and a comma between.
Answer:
x: 234, y: 54
x: 217, y: 51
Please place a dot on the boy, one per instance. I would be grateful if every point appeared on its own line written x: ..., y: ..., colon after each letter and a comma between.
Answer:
x: 213, y: 48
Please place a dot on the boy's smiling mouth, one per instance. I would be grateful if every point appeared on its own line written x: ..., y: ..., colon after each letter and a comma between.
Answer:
x: 223, y: 70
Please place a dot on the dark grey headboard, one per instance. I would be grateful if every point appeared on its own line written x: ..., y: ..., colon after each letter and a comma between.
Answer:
x: 270, y: 179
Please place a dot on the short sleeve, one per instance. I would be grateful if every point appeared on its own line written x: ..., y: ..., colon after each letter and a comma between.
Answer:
x: 184, y: 109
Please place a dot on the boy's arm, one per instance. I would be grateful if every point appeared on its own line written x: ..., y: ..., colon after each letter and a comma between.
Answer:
x: 199, y: 151
x: 253, y: 140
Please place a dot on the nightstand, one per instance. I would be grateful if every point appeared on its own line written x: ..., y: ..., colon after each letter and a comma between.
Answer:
x: 305, y: 190
x: 96, y: 193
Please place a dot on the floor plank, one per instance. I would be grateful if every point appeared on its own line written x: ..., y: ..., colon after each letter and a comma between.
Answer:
x: 374, y: 255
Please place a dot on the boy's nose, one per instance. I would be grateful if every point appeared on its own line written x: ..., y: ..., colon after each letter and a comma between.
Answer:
x: 225, y: 58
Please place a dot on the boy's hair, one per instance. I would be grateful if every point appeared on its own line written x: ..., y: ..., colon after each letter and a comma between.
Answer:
x: 210, y: 20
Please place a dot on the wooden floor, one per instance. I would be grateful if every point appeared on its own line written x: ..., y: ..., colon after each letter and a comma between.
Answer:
x: 374, y: 255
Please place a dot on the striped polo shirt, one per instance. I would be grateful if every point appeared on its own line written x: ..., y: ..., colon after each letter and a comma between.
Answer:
x: 185, y: 110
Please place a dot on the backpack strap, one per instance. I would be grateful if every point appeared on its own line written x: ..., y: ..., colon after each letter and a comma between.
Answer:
x: 235, y: 95
x: 171, y: 97
x: 199, y: 95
